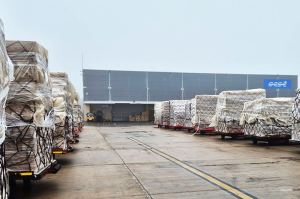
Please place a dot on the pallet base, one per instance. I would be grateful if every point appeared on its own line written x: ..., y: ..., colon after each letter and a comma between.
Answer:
x: 272, y: 139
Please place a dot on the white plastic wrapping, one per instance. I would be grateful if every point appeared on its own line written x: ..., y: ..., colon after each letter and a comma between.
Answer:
x: 230, y: 106
x: 61, y: 95
x: 29, y: 109
x: 296, y: 118
x: 6, y: 74
x: 188, y: 114
x: 157, y: 113
x: 165, y: 113
x: 203, y: 109
x: 177, y: 112
x: 268, y: 117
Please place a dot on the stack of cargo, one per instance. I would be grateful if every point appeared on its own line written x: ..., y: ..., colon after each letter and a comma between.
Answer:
x: 73, y: 96
x: 268, y: 118
x: 229, y: 108
x: 61, y: 102
x: 203, y: 109
x: 6, y: 70
x: 296, y: 118
x: 177, y: 113
x: 157, y: 113
x: 165, y: 113
x: 188, y: 117
x: 77, y: 118
x: 29, y: 110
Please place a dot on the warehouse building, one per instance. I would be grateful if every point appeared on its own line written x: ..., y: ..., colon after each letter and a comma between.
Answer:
x: 130, y: 95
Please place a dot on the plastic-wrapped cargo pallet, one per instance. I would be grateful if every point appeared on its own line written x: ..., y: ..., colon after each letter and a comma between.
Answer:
x: 61, y: 102
x: 73, y: 100
x: 6, y: 72
x: 165, y: 113
x: 177, y: 113
x: 188, y: 117
x: 268, y: 118
x: 229, y: 108
x: 157, y: 113
x: 29, y: 110
x: 296, y: 118
x: 203, y: 109
x: 77, y: 117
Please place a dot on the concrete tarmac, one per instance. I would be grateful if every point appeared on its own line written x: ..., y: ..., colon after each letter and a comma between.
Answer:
x: 109, y: 164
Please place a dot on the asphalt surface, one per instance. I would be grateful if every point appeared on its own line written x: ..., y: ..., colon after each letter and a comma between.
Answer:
x: 141, y: 161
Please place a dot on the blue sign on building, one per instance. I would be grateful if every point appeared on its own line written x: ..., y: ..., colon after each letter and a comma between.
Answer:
x: 277, y: 84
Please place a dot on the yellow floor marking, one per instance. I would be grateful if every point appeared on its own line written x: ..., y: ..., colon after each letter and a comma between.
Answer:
x: 234, y: 191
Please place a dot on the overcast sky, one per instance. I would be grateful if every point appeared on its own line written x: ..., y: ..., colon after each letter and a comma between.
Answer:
x: 223, y: 36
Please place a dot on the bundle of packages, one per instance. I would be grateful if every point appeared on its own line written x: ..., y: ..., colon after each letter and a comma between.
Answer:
x: 29, y: 110
x: 73, y: 96
x: 296, y: 118
x: 268, y: 117
x: 77, y: 117
x: 157, y: 113
x: 165, y: 113
x: 6, y: 73
x: 229, y: 108
x: 203, y: 109
x: 177, y: 112
x: 61, y: 103
x: 188, y: 115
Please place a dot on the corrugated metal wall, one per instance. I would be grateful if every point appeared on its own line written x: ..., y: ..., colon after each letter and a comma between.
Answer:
x: 104, y: 85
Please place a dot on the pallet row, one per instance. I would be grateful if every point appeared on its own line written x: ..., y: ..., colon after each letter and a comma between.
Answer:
x: 241, y: 113
x: 39, y: 114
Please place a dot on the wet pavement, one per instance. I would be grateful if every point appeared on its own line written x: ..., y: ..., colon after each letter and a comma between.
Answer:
x: 108, y: 163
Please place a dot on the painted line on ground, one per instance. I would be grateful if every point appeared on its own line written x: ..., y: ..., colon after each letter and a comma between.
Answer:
x: 213, y: 180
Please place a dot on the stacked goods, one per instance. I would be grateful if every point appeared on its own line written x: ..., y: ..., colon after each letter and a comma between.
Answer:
x: 268, y: 118
x: 157, y: 113
x: 202, y: 110
x: 165, y: 113
x: 229, y: 108
x: 296, y: 118
x: 177, y: 113
x: 77, y: 117
x: 73, y: 96
x: 188, y: 116
x: 61, y: 103
x: 5, y: 78
x: 29, y: 110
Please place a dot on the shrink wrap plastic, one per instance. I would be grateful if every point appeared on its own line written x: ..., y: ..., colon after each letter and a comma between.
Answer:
x: 203, y: 108
x: 177, y: 112
x: 229, y: 108
x: 157, y: 113
x: 6, y: 75
x: 29, y: 109
x: 296, y: 118
x: 268, y: 117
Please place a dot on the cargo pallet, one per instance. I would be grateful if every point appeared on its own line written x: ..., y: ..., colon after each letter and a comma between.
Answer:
x: 232, y: 135
x: 205, y: 131
x: 163, y: 126
x: 272, y: 139
x: 28, y: 176
x: 177, y: 127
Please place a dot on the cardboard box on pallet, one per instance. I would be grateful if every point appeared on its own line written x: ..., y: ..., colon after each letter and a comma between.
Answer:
x: 268, y: 117
x: 29, y: 109
x: 296, y: 118
x: 177, y: 112
x: 229, y: 108
x: 203, y: 108
x: 6, y: 74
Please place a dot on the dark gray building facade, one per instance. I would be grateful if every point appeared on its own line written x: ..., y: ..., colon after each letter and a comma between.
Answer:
x: 130, y: 95
x: 135, y: 86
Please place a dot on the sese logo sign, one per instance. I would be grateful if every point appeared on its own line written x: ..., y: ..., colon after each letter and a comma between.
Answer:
x: 277, y: 84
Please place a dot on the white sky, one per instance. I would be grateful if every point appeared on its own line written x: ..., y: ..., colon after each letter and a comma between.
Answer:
x: 223, y: 36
